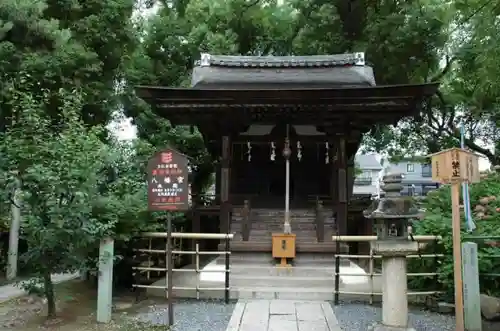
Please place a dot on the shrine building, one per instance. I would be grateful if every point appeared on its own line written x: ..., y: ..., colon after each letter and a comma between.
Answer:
x: 284, y: 132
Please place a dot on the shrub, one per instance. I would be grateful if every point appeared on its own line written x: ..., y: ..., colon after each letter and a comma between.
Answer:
x: 485, y: 204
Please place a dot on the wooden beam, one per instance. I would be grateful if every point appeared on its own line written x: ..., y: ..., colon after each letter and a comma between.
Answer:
x: 253, y: 95
x: 282, y: 108
x: 338, y: 118
x: 304, y: 140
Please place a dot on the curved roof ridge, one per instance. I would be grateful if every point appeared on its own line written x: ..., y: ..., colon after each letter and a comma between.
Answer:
x: 269, y: 61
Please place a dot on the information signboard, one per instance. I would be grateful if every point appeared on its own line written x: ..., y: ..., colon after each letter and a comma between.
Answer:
x: 168, y: 187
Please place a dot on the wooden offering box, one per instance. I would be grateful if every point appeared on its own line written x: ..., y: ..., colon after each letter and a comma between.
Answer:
x: 283, y: 247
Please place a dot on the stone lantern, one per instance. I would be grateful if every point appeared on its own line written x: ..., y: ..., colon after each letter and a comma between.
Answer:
x: 392, y: 216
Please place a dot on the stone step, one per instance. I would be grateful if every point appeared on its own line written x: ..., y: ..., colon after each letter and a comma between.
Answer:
x: 253, y: 212
x: 267, y: 259
x: 281, y: 281
x: 267, y: 234
x: 278, y: 220
x: 297, y: 232
x: 280, y: 217
x: 265, y: 293
x: 297, y: 225
x: 265, y: 246
x: 285, y: 293
x: 253, y: 270
x: 305, y: 239
x: 281, y: 221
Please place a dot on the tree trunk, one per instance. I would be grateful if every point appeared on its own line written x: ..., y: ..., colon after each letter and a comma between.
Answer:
x: 48, y: 288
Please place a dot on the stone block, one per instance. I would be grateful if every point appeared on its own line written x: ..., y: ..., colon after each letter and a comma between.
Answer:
x: 313, y: 326
x: 395, y: 247
x: 380, y: 327
x: 282, y: 307
x: 490, y: 307
x: 281, y: 325
x: 310, y: 311
x: 445, y: 308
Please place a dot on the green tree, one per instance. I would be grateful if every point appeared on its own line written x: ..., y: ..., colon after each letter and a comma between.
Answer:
x: 75, y: 189
x: 60, y: 175
x: 77, y: 44
x: 468, y: 95
x: 401, y: 40
x: 50, y: 45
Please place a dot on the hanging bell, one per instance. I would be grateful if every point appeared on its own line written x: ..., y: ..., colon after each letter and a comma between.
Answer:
x: 287, y: 151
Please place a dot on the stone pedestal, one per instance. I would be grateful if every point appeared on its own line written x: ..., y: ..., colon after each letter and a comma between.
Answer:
x: 394, y: 283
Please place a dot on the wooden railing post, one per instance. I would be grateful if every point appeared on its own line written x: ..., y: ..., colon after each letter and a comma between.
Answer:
x: 246, y: 226
x: 320, y: 221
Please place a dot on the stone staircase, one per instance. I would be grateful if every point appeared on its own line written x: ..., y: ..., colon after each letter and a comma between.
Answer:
x: 265, y: 222
x: 308, y: 279
x: 254, y: 273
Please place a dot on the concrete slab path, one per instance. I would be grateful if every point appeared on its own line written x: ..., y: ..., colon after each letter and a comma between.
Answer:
x: 283, y: 315
x: 11, y: 291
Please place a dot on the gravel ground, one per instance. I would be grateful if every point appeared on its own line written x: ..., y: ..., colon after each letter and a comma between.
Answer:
x: 191, y: 315
x: 359, y: 316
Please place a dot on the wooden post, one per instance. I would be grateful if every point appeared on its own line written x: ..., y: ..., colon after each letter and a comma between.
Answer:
x: 105, y: 282
x: 170, y: 273
x: 455, y: 166
x: 225, y: 211
x: 457, y: 256
x: 350, y: 178
x: 334, y: 176
x: 342, y: 188
x: 196, y: 229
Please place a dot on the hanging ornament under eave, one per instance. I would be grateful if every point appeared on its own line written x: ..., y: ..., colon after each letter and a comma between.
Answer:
x: 299, y: 151
x: 249, y: 151
x: 273, y: 151
x: 327, y: 156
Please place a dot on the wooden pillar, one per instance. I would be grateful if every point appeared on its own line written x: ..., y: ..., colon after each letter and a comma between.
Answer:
x: 342, y: 187
x: 350, y: 178
x: 225, y: 210
x: 334, y: 174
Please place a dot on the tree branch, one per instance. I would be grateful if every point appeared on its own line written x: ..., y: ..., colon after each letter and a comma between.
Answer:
x: 446, y: 69
x: 470, y: 143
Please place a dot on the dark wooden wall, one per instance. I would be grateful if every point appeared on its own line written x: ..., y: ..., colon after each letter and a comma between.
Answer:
x: 263, y: 180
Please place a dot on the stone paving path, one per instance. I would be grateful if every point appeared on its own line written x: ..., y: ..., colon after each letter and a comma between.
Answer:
x: 283, y: 315
x: 11, y: 291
